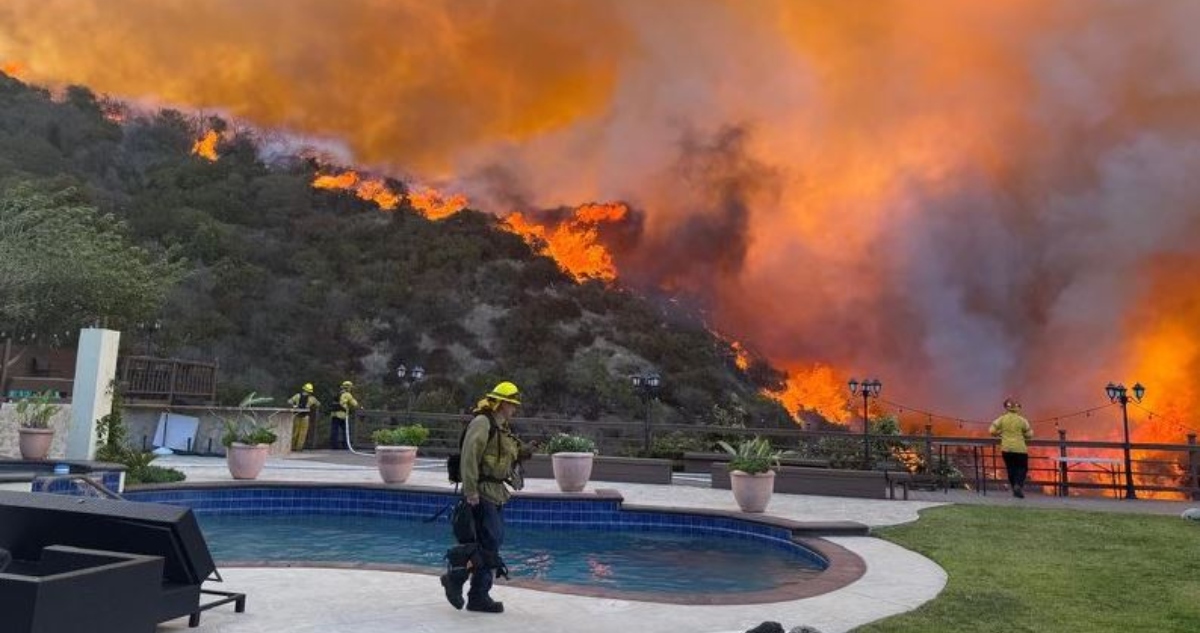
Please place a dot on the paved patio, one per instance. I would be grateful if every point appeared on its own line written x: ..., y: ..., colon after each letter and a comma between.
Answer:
x: 303, y: 600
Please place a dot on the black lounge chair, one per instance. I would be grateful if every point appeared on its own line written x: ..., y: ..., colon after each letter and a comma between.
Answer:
x: 126, y: 532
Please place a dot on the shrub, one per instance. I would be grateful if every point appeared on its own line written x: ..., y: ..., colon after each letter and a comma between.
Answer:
x: 752, y: 456
x: 566, y: 443
x: 414, y: 435
x: 153, y: 475
x: 674, y: 444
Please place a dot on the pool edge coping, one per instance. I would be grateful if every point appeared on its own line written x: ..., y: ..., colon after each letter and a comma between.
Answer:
x: 844, y: 567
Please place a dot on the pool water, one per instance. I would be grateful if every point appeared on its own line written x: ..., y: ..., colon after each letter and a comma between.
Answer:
x: 644, y: 561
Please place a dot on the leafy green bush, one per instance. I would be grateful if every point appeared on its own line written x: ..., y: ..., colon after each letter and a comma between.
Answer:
x: 752, y: 456
x: 566, y: 443
x: 674, y: 444
x: 110, y: 447
x: 414, y: 435
x: 153, y: 475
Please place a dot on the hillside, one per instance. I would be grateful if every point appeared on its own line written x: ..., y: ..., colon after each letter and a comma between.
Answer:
x: 287, y: 284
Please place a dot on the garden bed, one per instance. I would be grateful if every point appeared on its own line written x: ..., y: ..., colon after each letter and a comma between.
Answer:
x: 636, y: 470
x: 702, y: 462
x: 866, y: 484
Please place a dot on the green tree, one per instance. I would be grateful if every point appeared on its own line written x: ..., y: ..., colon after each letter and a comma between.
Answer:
x: 64, y: 265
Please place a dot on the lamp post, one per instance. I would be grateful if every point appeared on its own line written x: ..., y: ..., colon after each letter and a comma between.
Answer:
x: 410, y: 378
x: 647, y: 386
x: 1117, y: 393
x: 869, y: 388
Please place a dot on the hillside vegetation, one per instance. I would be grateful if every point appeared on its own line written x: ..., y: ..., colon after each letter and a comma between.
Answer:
x: 284, y: 284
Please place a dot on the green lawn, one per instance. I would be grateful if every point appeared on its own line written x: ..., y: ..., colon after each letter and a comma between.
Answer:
x: 1045, y: 571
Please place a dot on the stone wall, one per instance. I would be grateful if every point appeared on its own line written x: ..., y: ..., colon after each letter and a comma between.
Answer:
x: 142, y: 422
x: 61, y: 423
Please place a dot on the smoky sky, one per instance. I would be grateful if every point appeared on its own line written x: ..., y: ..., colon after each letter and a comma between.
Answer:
x: 967, y: 199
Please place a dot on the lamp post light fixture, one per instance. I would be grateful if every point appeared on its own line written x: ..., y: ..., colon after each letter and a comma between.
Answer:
x: 1119, y: 394
x: 647, y: 386
x: 869, y: 388
x: 410, y: 377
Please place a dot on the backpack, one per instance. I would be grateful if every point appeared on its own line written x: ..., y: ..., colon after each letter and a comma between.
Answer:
x: 454, y: 461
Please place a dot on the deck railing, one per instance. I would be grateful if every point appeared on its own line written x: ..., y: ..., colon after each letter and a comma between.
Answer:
x: 1158, y: 468
x: 168, y: 380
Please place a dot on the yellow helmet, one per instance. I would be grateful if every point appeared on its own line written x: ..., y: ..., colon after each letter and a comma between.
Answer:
x: 506, y: 392
x: 347, y: 385
x: 308, y: 387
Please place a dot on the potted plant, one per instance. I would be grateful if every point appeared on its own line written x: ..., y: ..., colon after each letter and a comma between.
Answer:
x: 752, y: 467
x: 247, y: 441
x: 396, y: 451
x: 33, y: 424
x: 571, y: 457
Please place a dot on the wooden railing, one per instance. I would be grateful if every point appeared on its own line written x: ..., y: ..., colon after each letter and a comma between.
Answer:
x: 168, y: 380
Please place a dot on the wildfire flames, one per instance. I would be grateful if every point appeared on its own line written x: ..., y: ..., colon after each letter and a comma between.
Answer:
x: 372, y: 189
x: 11, y: 68
x: 966, y: 199
x: 206, y: 146
x: 575, y: 241
x: 435, y: 205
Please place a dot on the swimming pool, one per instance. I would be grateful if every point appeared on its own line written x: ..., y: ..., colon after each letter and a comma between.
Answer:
x: 588, y: 545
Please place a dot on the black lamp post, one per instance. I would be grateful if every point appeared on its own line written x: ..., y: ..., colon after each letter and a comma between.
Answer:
x: 410, y: 378
x: 869, y: 388
x: 1118, y: 393
x: 647, y: 386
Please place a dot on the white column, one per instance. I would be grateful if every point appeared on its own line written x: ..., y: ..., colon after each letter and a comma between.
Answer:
x: 91, y: 398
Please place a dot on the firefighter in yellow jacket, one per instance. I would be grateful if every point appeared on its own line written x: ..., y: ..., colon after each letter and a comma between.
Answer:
x: 1013, y: 430
x: 490, y: 452
x: 338, y: 420
x: 307, y: 401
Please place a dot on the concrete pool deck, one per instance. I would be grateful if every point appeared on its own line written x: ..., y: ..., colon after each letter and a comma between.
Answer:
x: 312, y: 600
x: 304, y: 600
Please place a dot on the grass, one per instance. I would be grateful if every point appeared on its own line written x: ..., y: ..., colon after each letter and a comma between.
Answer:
x: 1046, y: 571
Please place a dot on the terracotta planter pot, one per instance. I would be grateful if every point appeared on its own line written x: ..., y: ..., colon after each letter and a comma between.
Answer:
x: 246, y: 461
x: 752, y: 492
x: 395, y: 462
x: 572, y: 470
x: 35, y: 443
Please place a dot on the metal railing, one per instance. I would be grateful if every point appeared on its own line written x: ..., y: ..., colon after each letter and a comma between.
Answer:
x: 970, y: 462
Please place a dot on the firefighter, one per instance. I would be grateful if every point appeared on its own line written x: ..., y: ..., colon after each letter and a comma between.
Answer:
x: 1013, y: 430
x: 338, y: 420
x: 490, y: 452
x: 303, y: 400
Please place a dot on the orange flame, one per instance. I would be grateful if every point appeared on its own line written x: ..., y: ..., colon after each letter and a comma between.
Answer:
x: 741, y: 357
x: 206, y: 146
x: 574, y: 243
x: 12, y: 68
x: 374, y: 190
x: 435, y: 205
x: 817, y: 388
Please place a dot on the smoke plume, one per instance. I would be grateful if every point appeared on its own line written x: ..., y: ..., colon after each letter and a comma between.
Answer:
x: 965, y: 199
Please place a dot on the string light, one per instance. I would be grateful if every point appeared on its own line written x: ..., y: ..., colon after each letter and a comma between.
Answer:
x: 967, y: 422
x: 1179, y: 425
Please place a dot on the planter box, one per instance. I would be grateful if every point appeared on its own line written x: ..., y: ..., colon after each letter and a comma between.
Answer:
x: 866, y: 484
x: 702, y: 462
x: 627, y: 469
